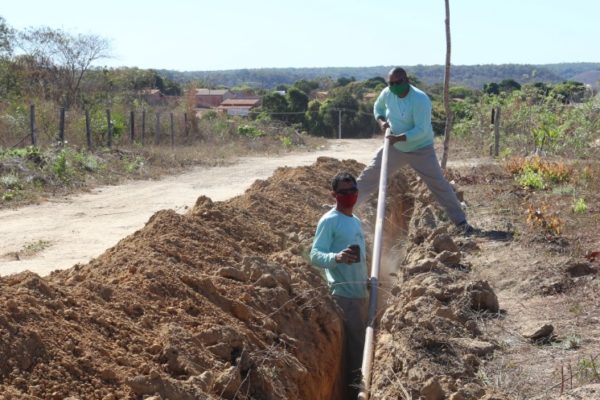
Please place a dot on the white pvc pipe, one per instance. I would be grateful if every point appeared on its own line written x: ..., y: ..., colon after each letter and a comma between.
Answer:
x: 367, y: 360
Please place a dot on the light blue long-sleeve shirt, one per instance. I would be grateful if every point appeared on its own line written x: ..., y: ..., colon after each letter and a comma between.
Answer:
x: 335, y: 232
x: 410, y: 115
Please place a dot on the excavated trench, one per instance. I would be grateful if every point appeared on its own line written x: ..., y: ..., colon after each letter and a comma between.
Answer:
x: 222, y: 303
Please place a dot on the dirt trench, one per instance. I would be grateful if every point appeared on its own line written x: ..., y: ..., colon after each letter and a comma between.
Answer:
x: 429, y: 344
x: 222, y: 303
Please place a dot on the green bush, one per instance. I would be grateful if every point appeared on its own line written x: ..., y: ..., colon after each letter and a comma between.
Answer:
x: 531, y: 179
x: 285, y: 141
x: 10, y: 181
x: 579, y: 206
x: 250, y: 131
x: 59, y: 166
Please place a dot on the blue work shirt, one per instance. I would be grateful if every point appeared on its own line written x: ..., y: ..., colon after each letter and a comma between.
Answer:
x: 335, y: 232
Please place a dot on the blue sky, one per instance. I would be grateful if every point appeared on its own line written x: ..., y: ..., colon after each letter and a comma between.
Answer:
x: 231, y: 34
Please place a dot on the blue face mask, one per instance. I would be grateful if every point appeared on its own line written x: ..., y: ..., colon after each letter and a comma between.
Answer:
x: 399, y: 89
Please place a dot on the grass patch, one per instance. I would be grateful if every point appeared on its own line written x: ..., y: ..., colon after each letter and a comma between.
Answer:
x: 580, y: 206
x: 35, y: 247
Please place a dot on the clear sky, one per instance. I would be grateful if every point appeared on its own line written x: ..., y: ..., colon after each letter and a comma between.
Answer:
x: 231, y: 34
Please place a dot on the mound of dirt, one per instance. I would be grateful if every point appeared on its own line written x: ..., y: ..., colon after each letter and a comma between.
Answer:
x: 218, y: 303
x: 429, y: 345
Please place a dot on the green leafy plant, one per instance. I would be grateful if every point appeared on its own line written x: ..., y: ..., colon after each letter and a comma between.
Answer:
x: 571, y: 342
x: 531, y: 179
x: 8, y: 195
x: 588, y: 370
x: 506, y: 152
x: 563, y: 190
x: 580, y: 206
x: 286, y: 141
x: 87, y: 161
x: 250, y: 131
x: 10, y: 181
x: 547, y: 131
x: 134, y: 165
x: 59, y: 166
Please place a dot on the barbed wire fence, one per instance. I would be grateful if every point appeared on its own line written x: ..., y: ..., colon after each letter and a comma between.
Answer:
x: 146, y: 126
x: 91, y: 130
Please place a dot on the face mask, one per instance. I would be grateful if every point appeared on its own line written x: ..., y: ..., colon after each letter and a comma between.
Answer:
x: 399, y: 89
x: 346, y: 200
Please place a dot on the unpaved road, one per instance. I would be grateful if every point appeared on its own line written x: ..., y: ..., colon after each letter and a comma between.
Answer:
x: 66, y: 231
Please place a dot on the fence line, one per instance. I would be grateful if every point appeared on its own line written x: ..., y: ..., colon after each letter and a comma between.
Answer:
x: 129, y: 132
x: 106, y: 136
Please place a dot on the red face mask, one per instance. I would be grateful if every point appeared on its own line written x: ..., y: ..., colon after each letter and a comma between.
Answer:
x: 346, y: 200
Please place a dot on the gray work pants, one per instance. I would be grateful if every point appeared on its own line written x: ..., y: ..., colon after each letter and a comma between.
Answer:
x: 354, y: 314
x: 425, y: 164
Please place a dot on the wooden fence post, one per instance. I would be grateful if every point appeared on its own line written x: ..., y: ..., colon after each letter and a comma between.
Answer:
x: 109, y: 122
x: 143, y: 126
x: 131, y: 126
x: 157, y: 130
x: 497, y: 132
x: 185, y: 125
x: 172, y: 132
x: 61, y: 127
x: 88, y: 130
x: 32, y: 124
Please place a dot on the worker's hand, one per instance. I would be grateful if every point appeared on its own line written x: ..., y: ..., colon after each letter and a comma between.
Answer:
x: 346, y: 256
x: 396, y: 138
x: 383, y: 124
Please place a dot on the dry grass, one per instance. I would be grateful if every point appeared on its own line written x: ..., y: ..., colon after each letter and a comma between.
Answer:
x: 29, y: 174
x: 529, y: 278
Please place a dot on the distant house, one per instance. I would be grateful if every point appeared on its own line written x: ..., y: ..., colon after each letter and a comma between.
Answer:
x: 153, y: 96
x: 320, y: 95
x: 370, y: 96
x: 211, y: 98
x: 240, y: 107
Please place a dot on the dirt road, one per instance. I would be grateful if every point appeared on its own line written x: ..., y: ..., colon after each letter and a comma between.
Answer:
x: 66, y: 231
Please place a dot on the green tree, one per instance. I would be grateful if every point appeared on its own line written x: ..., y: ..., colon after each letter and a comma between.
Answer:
x: 375, y: 83
x: 306, y: 86
x: 167, y: 86
x: 275, y: 104
x: 568, y: 91
x: 6, y: 38
x: 460, y: 92
x: 508, y: 85
x: 343, y: 81
x: 314, y: 120
x: 356, y: 121
x: 491, y: 88
x: 297, y: 103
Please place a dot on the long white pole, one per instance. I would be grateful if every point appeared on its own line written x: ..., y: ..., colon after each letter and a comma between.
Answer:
x: 367, y: 361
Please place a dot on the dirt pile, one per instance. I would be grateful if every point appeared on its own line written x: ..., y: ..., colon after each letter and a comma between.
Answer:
x: 429, y: 345
x: 217, y: 303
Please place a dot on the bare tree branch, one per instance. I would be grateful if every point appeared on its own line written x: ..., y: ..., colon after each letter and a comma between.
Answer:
x: 67, y: 56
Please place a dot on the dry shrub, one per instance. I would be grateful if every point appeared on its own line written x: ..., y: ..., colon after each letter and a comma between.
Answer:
x: 548, y: 221
x: 556, y: 172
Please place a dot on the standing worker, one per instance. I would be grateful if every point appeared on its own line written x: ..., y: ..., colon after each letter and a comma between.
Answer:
x: 406, y: 110
x: 339, y: 248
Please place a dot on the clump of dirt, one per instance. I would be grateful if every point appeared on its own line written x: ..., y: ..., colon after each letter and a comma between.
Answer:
x: 218, y: 303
